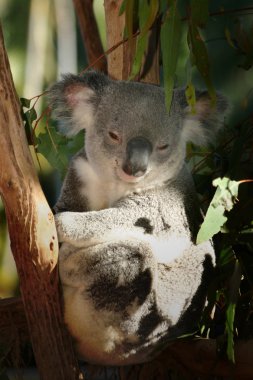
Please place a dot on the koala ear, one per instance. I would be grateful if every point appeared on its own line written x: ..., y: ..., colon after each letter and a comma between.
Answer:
x: 73, y: 100
x: 202, y: 126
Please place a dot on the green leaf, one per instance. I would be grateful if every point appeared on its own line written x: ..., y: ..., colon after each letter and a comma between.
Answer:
x: 199, y: 12
x: 223, y: 200
x: 171, y: 31
x: 129, y: 12
x: 191, y: 96
x: 147, y: 12
x: 227, y: 192
x: 122, y: 8
x: 52, y: 146
x: 226, y: 256
x: 147, y: 19
x: 212, y: 224
x: 31, y: 116
x: 56, y: 148
x: 25, y: 102
x: 199, y: 57
x: 141, y: 47
x: 142, y: 40
x: 230, y: 316
x: 234, y: 286
x: 229, y: 38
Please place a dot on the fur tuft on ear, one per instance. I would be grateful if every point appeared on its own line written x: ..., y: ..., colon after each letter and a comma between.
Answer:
x: 202, y: 126
x: 74, y: 99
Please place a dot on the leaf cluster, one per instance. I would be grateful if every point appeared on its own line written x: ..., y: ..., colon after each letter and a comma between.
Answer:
x: 166, y: 16
x: 228, y: 221
x: 229, y: 215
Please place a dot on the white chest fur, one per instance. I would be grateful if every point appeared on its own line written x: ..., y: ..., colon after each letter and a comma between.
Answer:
x: 101, y: 193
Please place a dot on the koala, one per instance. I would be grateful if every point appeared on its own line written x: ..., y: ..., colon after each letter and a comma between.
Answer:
x: 133, y: 278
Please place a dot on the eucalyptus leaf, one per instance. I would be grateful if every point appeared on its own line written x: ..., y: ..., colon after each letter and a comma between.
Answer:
x: 56, y: 148
x: 142, y: 40
x: 191, y: 96
x: 129, y: 14
x: 171, y: 31
x: 229, y: 38
x: 147, y: 19
x: 223, y: 200
x: 227, y: 192
x: 141, y: 47
x: 31, y: 115
x: 199, y: 57
x: 122, y: 7
x: 234, y: 286
x: 25, y: 102
x: 230, y: 316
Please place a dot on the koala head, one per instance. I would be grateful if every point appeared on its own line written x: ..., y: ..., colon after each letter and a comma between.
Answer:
x: 129, y: 134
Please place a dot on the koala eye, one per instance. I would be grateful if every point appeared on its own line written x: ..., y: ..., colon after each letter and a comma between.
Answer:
x: 114, y: 136
x: 163, y: 147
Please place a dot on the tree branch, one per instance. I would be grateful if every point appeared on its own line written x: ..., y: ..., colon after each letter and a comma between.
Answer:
x: 90, y: 33
x: 119, y: 60
x: 33, y: 238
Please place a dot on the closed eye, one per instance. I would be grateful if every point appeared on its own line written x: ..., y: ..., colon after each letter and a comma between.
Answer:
x: 114, y: 136
x: 163, y: 147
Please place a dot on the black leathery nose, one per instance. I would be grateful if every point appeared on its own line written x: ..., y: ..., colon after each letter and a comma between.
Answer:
x: 138, y: 151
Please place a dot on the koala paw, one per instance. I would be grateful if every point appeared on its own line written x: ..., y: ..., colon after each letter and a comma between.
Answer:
x: 65, y: 225
x: 72, y: 227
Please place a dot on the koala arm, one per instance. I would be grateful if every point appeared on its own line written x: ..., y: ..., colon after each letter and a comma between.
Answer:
x: 80, y: 227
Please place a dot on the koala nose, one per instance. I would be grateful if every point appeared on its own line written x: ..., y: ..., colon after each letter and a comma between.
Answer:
x: 138, y: 151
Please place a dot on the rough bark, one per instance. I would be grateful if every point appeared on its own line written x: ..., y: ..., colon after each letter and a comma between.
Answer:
x: 90, y: 33
x: 120, y: 60
x: 33, y: 238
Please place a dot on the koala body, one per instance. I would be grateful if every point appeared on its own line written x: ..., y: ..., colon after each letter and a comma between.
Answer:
x: 127, y: 217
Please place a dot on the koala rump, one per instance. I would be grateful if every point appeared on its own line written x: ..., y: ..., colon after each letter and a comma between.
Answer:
x: 133, y: 278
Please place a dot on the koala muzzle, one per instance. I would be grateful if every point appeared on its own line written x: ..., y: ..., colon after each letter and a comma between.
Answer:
x: 138, y: 151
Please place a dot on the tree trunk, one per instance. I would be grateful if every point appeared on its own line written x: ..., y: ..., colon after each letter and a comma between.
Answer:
x: 120, y: 60
x: 90, y: 35
x: 33, y: 239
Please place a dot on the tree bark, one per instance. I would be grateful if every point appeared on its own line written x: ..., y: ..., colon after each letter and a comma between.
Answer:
x: 120, y: 60
x: 90, y: 34
x: 33, y: 239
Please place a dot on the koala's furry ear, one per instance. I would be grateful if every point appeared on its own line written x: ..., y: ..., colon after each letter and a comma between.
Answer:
x: 73, y: 100
x: 202, y: 126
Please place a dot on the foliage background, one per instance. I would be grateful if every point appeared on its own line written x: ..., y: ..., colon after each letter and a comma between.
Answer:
x: 228, y: 37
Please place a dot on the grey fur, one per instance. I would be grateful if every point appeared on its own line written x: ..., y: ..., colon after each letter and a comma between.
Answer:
x: 133, y: 278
